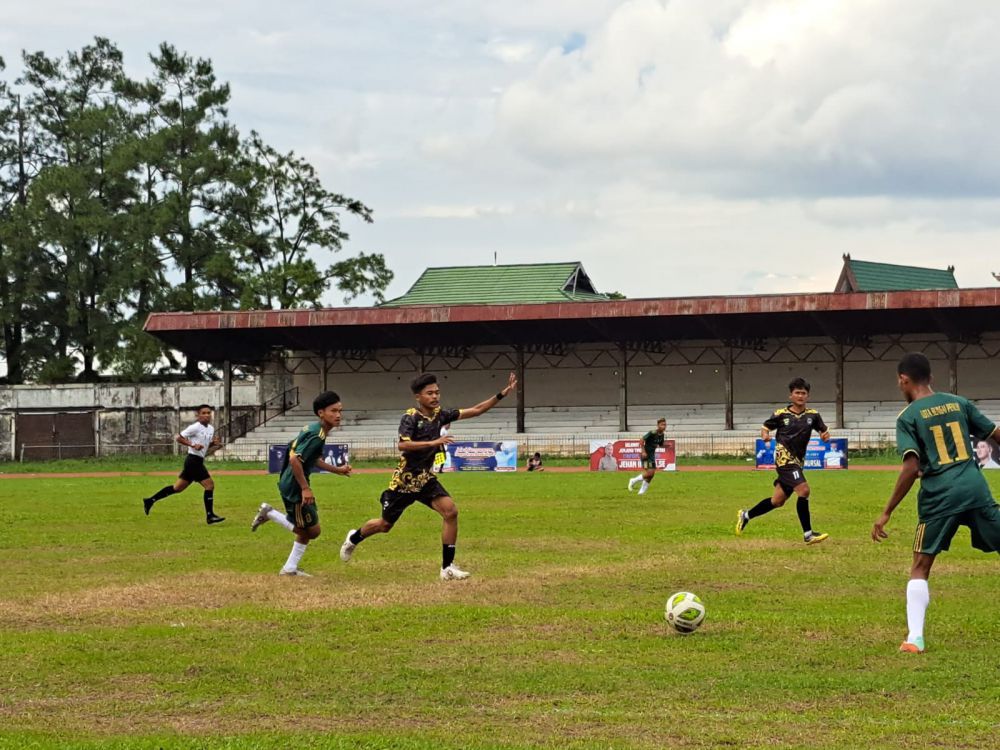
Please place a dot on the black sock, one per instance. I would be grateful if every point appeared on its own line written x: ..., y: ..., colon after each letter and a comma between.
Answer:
x: 447, y: 555
x: 764, y: 506
x: 165, y: 492
x: 802, y: 508
x: 356, y: 537
x: 209, y: 502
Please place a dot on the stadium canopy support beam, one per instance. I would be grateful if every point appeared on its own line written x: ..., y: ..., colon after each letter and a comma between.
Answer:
x: 838, y: 353
x: 953, y: 366
x: 326, y: 372
x: 729, y: 388
x: 623, y: 389
x: 520, y: 389
x: 227, y: 393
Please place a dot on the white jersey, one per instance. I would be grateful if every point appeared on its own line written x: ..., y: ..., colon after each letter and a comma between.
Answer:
x: 199, y: 434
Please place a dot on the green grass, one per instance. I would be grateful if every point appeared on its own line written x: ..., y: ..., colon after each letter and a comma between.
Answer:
x: 122, y: 631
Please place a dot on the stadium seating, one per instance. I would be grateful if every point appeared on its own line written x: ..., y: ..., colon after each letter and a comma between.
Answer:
x: 550, y: 426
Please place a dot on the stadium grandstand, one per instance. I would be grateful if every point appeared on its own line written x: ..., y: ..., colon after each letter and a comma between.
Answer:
x: 591, y: 367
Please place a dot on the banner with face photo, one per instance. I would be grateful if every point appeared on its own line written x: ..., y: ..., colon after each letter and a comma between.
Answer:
x: 626, y: 455
x: 336, y: 454
x: 987, y: 453
x: 831, y: 454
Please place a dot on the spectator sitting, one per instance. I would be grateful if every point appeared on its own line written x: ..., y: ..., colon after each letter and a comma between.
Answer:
x: 535, y: 463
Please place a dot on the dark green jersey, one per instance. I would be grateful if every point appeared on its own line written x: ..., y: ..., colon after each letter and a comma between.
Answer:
x: 936, y: 430
x: 308, y: 446
x: 651, y: 441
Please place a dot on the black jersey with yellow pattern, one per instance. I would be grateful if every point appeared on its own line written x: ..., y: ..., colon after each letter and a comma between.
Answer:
x: 793, y: 429
x: 415, y: 467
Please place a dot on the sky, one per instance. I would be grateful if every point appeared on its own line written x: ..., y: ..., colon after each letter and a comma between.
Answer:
x: 676, y: 148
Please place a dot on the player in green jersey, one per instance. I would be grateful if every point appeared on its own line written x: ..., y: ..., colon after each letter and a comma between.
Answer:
x: 301, y: 516
x: 650, y: 442
x: 932, y: 436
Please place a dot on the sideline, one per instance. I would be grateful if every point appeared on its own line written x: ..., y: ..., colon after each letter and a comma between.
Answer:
x: 263, y: 473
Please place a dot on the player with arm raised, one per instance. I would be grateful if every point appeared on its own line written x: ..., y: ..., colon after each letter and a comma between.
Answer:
x: 650, y: 442
x: 414, y: 479
x: 793, y: 425
x: 304, y: 454
x: 932, y: 436
x: 200, y: 440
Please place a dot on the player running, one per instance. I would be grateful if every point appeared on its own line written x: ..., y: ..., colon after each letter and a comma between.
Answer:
x: 301, y: 515
x: 932, y: 436
x: 413, y: 481
x: 200, y: 440
x: 793, y: 426
x: 650, y: 442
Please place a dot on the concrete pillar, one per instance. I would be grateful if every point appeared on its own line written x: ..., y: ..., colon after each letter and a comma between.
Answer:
x: 953, y: 367
x: 622, y: 388
x: 838, y: 364
x: 520, y: 389
x: 729, y: 387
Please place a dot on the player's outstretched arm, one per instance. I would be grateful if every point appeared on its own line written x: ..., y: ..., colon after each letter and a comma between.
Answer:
x: 904, y: 482
x: 484, y: 406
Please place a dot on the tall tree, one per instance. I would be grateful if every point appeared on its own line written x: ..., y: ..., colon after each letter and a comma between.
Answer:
x: 188, y: 155
x: 285, y: 228
x: 77, y: 202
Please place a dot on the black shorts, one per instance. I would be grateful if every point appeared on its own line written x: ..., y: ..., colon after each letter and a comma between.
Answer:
x: 395, y: 502
x: 194, y: 469
x: 790, y: 476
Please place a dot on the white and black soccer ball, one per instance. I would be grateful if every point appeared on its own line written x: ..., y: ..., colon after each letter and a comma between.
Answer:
x: 684, y: 612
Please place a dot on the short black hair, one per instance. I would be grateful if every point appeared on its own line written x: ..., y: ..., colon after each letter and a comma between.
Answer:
x: 661, y: 419
x: 799, y: 384
x: 323, y: 400
x: 916, y: 367
x: 203, y: 406
x: 422, y: 380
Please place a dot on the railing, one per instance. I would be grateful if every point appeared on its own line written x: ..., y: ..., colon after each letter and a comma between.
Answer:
x: 691, y: 446
x: 241, y: 424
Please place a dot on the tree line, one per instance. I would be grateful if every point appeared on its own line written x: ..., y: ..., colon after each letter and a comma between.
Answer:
x: 120, y: 197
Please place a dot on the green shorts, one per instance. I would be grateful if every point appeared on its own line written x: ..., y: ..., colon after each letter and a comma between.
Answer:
x: 935, y: 535
x: 302, y: 516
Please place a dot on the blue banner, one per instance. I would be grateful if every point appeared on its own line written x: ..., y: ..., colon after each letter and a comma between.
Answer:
x: 481, y: 456
x: 831, y: 454
x: 337, y: 454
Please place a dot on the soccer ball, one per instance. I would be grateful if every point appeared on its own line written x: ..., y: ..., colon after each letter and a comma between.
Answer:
x: 684, y: 612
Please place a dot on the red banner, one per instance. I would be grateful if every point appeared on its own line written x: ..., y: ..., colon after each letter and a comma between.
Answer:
x: 626, y: 455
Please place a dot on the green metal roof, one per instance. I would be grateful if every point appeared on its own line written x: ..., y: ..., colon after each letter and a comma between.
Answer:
x: 492, y: 285
x: 865, y: 276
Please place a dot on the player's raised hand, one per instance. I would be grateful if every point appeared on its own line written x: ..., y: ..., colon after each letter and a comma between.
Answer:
x: 878, y: 530
x: 511, y: 384
x: 444, y: 440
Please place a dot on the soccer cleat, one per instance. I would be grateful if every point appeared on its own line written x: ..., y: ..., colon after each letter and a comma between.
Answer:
x: 212, y: 518
x: 147, y: 504
x: 916, y: 646
x: 631, y: 484
x: 296, y: 572
x: 816, y: 538
x: 347, y: 548
x: 261, y: 516
x: 741, y: 521
x: 453, y: 573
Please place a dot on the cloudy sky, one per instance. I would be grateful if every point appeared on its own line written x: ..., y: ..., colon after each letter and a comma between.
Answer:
x: 676, y: 147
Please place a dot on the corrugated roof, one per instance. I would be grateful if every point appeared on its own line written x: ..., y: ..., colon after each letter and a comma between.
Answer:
x: 886, y: 277
x: 491, y: 285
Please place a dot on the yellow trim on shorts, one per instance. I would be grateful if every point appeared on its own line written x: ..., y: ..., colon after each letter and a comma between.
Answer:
x: 918, y: 538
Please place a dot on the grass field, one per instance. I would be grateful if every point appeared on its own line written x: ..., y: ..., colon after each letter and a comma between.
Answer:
x: 124, y: 631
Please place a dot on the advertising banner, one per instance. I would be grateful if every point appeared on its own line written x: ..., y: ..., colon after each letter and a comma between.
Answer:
x: 481, y: 456
x: 337, y: 454
x: 987, y: 454
x: 626, y: 455
x: 819, y: 455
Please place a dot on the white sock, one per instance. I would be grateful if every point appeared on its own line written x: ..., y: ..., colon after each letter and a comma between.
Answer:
x: 281, y: 519
x: 645, y: 486
x: 298, y: 549
x: 918, y: 596
x: 633, y: 480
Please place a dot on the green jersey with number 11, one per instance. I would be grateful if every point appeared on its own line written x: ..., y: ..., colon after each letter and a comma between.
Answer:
x: 936, y: 429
